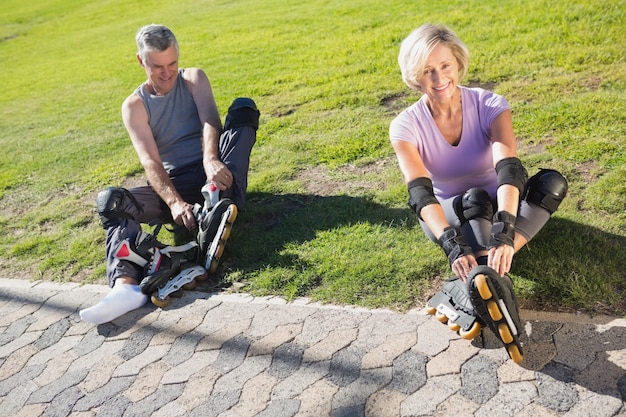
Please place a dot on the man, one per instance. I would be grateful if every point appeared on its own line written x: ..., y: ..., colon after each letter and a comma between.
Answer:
x: 175, y: 128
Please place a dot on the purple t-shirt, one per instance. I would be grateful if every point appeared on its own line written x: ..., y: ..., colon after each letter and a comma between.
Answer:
x: 454, y: 169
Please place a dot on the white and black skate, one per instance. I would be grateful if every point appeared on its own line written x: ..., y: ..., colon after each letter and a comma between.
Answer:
x: 214, y: 226
x: 166, y: 268
x: 452, y: 306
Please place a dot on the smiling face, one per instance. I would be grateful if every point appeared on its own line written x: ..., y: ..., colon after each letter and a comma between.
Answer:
x: 440, y: 76
x: 161, y: 69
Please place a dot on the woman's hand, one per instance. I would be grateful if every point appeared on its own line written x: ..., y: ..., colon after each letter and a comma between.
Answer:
x: 463, y: 265
x: 500, y: 259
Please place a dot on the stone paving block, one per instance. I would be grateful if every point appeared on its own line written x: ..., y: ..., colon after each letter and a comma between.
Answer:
x: 268, y: 319
x: 198, y: 388
x: 16, y: 329
x: 114, y: 406
x: 182, y: 349
x: 46, y: 393
x: 391, y: 348
x: 147, y: 381
x: 255, y: 395
x: 24, y: 340
x: 100, y: 373
x: 16, y: 361
x: 281, y: 408
x: 556, y: 387
x: 345, y: 367
x: 425, y: 401
x: 335, y: 341
x: 281, y: 335
x: 510, y: 399
x: 163, y: 396
x: 379, y: 326
x: 31, y: 410
x: 316, y: 400
x: 308, y: 374
x: 183, y: 371
x: 458, y: 406
x: 450, y: 362
x: 217, y: 403
x: 104, y: 352
x: 409, y: 372
x: 101, y: 395
x: 55, y: 350
x: 433, y: 337
x: 133, y: 322
x: 137, y: 363
x: 512, y: 372
x: 217, y: 338
x: 26, y: 375
x: 136, y: 343
x: 370, y: 381
x: 64, y: 402
x: 89, y: 342
x: 318, y: 325
x: 595, y: 404
x: 384, y: 403
x: 232, y: 354
x: 536, y: 410
x: 15, y: 400
x: 578, y: 345
x: 286, y: 360
x: 236, y: 378
x: 601, y: 376
x: 55, y: 368
x: 228, y: 314
x: 480, y: 379
x: 170, y: 410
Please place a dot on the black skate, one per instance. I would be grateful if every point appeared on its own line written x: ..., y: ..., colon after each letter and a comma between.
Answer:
x: 453, y: 306
x: 214, y: 227
x: 495, y: 303
x: 166, y: 268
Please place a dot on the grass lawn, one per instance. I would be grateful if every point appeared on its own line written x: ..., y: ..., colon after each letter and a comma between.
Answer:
x: 327, y: 216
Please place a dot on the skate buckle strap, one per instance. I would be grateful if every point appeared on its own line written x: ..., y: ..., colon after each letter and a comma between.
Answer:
x: 179, y: 249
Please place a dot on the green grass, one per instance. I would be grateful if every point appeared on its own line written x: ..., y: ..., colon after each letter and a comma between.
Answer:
x: 327, y: 215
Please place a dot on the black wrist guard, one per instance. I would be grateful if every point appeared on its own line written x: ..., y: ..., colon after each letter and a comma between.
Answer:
x: 502, y: 230
x: 453, y: 244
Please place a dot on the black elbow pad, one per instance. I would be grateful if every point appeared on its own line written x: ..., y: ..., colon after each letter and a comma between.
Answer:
x: 421, y: 194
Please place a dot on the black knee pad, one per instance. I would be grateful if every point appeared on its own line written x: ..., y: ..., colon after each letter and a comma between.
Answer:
x: 547, y: 189
x: 242, y: 112
x: 474, y: 204
x: 110, y: 203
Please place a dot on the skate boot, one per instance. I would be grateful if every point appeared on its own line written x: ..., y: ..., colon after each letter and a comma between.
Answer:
x: 495, y: 303
x: 166, y: 268
x: 215, y: 220
x: 453, y: 306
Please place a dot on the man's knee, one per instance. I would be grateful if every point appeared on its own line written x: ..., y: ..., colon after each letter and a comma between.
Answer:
x: 111, y: 206
x: 474, y: 204
x: 546, y: 189
x: 242, y: 112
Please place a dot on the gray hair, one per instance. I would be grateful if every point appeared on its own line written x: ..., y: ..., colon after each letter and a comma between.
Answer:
x: 154, y: 38
x: 416, y: 48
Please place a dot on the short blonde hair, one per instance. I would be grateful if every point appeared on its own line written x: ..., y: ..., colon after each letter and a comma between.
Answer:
x: 416, y: 48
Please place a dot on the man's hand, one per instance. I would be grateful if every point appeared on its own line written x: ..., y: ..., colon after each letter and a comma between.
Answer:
x: 182, y: 213
x: 219, y: 175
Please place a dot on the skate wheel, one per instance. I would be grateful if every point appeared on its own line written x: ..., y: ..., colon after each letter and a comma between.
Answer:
x: 454, y: 326
x: 514, y: 353
x: 160, y: 303
x: 431, y: 310
x: 216, y: 257
x: 203, y: 277
x: 494, y: 311
x: 505, y: 334
x: 472, y: 333
x: 233, y: 214
x: 189, y: 286
x: 226, y: 232
x: 441, y: 317
x: 482, y: 287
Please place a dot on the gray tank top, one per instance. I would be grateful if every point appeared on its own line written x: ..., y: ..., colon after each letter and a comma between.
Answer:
x: 175, y: 124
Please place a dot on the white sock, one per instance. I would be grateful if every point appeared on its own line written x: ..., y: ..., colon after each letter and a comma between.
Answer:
x: 122, y: 299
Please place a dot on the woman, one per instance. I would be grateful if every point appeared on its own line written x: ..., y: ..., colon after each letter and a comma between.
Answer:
x: 457, y: 151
